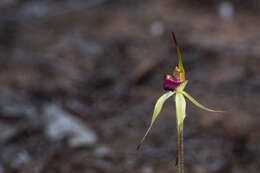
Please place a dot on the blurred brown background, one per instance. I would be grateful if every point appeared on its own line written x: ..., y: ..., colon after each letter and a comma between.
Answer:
x: 79, y: 80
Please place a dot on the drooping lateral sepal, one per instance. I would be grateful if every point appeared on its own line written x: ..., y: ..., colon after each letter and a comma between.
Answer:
x: 180, y: 109
x: 157, y: 109
x: 197, y: 103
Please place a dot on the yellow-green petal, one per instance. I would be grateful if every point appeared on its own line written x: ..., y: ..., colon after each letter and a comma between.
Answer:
x: 198, y: 104
x: 182, y: 86
x: 157, y: 109
x: 180, y: 108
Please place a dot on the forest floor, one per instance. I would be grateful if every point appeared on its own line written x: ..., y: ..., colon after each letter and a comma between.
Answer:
x: 101, y: 63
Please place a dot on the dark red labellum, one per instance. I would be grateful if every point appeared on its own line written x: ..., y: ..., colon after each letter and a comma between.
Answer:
x: 170, y: 84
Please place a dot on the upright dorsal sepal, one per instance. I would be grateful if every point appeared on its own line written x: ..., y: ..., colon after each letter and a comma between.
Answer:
x: 179, y: 71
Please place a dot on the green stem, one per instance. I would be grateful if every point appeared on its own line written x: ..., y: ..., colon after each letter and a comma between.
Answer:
x: 180, y: 150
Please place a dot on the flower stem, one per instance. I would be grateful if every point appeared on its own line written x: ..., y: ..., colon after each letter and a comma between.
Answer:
x: 180, y: 150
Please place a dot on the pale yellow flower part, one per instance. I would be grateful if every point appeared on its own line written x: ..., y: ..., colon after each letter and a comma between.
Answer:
x: 180, y: 103
x: 157, y: 109
x: 180, y: 108
x: 182, y: 86
x: 180, y: 65
x: 198, y: 104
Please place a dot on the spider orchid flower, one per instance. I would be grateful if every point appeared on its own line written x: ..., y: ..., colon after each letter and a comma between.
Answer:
x: 175, y: 85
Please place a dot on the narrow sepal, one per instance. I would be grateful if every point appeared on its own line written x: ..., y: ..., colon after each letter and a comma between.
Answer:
x: 180, y: 108
x: 157, y: 110
x: 198, y: 104
x: 180, y: 65
x: 182, y: 86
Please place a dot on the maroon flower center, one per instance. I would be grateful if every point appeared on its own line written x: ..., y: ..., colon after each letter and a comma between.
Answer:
x: 170, y: 84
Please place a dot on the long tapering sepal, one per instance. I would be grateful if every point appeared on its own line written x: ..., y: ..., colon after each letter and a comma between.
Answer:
x: 180, y: 65
x: 180, y: 108
x: 157, y: 110
x: 198, y: 104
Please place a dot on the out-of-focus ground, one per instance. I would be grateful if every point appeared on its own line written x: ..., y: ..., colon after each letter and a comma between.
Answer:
x: 79, y: 79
